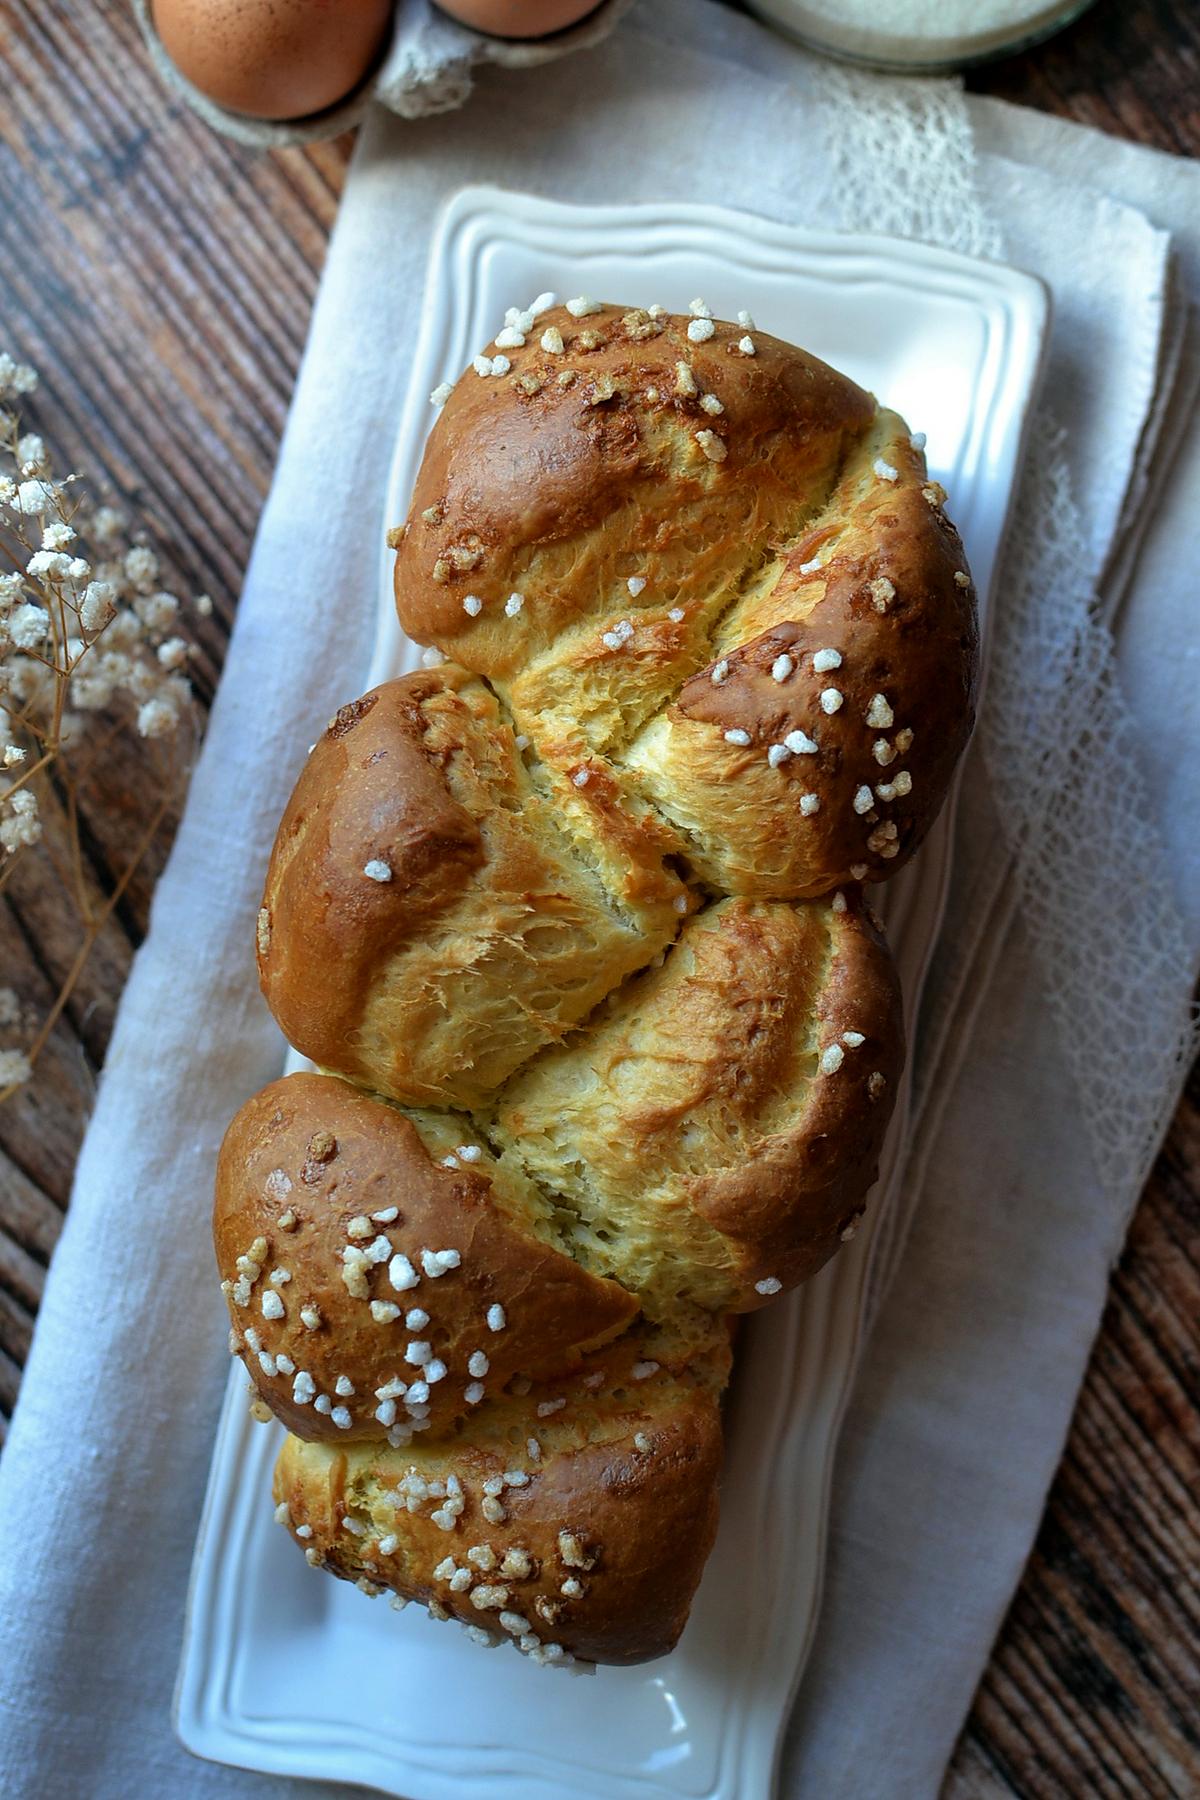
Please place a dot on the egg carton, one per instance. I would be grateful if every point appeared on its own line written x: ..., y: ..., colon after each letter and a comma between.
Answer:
x: 428, y: 68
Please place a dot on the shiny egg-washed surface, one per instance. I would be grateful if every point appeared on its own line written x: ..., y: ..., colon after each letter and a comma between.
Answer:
x: 573, y: 926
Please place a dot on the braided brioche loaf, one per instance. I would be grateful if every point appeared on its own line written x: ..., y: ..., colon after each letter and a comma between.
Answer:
x: 572, y: 926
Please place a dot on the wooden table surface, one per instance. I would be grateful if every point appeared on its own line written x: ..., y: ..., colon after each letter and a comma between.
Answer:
x: 161, y: 278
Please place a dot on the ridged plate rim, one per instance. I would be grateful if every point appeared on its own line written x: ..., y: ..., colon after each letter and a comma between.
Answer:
x: 726, y: 1690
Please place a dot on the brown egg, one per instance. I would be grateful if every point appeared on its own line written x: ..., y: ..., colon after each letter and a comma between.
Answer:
x: 518, y: 18
x: 273, y: 59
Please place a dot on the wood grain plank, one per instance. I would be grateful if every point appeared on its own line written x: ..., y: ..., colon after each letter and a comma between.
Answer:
x: 1111, y: 1596
x: 30, y: 1216
x: 976, y: 1776
x: 16, y: 1326
x: 20, y: 1273
x: 1132, y: 69
x: 41, y: 1125
x: 10, y: 1380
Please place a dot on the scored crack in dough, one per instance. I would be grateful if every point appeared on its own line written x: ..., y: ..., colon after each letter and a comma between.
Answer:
x: 659, y: 591
x: 583, y: 1508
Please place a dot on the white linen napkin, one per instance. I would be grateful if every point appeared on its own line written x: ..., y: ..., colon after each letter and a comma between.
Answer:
x: 986, y: 1326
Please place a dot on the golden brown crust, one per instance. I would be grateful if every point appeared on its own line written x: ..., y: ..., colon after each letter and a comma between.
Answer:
x: 592, y: 893
x: 325, y: 926
x: 309, y: 1175
x: 428, y: 923
x: 619, y: 1503
x: 517, y: 487
x: 800, y: 1193
x: 873, y: 614
x: 660, y: 593
x: 718, y: 1126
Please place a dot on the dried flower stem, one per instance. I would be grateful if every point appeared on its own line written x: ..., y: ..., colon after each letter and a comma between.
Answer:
x: 84, y: 631
x: 92, y: 931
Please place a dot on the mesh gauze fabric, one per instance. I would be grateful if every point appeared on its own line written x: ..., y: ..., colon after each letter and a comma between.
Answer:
x: 1060, y: 746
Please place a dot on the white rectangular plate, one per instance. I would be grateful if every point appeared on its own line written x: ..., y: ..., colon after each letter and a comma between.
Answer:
x: 290, y: 1672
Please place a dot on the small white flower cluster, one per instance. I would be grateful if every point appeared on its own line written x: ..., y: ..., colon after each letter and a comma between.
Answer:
x: 20, y: 822
x: 15, y: 378
x: 56, y: 603
x: 14, y: 1064
x: 85, y: 627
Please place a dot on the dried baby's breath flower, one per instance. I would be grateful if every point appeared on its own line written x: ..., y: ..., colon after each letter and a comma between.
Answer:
x: 86, y: 628
x: 15, y: 378
x: 28, y: 625
x: 98, y: 605
x: 34, y: 497
x: 107, y: 526
x: 15, y: 1069
x: 141, y: 567
x: 20, y: 823
x: 32, y: 456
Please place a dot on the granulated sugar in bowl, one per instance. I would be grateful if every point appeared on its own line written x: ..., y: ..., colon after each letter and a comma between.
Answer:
x: 919, y: 36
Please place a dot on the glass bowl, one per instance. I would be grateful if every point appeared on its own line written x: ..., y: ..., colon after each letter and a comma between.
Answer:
x: 919, y: 37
